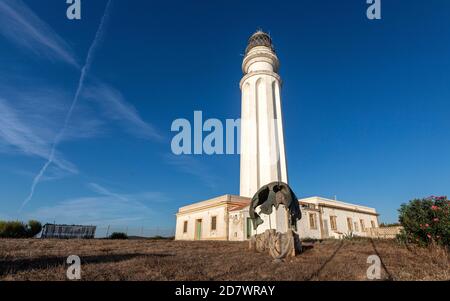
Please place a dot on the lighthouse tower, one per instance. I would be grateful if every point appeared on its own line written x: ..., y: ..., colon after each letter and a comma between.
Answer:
x: 263, y: 158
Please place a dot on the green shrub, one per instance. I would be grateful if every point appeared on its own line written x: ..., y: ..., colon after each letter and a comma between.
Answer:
x: 426, y: 221
x: 13, y: 230
x: 34, y: 228
x: 118, y: 235
x: 16, y: 229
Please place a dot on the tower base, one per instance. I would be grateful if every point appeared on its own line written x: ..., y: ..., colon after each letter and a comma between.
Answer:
x: 279, y: 246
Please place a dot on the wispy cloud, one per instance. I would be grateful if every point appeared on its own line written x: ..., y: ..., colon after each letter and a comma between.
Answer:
x: 115, y: 107
x: 153, y: 196
x: 35, y: 123
x: 53, y: 173
x: 107, y: 208
x: 27, y: 138
x: 61, y: 133
x: 192, y: 166
x: 97, y: 210
x: 23, y: 27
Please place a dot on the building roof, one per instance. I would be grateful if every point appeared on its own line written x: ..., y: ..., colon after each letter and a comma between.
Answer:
x: 338, y: 204
x: 230, y: 201
x: 237, y: 203
x: 239, y: 207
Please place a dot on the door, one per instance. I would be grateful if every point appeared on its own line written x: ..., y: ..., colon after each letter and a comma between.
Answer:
x: 198, y: 229
x: 249, y: 228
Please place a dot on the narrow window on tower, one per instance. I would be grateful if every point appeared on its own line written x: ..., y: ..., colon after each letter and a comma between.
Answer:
x: 185, y: 227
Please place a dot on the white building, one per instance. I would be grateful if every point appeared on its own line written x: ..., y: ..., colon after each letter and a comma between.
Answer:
x: 227, y: 218
x: 263, y: 160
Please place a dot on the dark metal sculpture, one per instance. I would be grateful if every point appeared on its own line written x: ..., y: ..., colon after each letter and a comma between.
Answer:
x: 272, y: 195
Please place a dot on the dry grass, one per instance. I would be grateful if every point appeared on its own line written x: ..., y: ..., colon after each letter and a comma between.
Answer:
x: 173, y: 260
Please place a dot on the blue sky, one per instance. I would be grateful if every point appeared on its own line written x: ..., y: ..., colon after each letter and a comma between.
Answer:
x: 366, y: 103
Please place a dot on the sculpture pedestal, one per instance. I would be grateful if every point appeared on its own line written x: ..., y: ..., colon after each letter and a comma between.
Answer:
x: 277, y: 244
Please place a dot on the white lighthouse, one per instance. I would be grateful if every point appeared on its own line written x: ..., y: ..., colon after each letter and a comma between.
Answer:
x: 263, y: 157
x: 263, y: 161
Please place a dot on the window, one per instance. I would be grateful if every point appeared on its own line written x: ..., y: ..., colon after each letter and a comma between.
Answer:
x: 356, y: 227
x: 185, y: 227
x: 363, y: 226
x: 373, y: 224
x: 333, y: 221
x: 349, y: 224
x: 312, y: 221
x: 214, y: 223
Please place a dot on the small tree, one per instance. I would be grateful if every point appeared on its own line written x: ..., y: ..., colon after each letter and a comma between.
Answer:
x: 16, y: 229
x: 425, y: 221
x: 12, y: 230
x: 118, y: 235
x: 34, y: 227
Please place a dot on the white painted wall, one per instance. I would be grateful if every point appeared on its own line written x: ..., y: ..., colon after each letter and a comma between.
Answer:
x: 341, y: 220
x: 232, y: 225
x: 304, y: 229
x: 218, y: 207
x: 205, y: 211
x: 237, y: 225
x: 206, y: 216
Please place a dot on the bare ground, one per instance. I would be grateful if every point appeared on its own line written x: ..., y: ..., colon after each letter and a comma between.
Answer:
x: 174, y: 260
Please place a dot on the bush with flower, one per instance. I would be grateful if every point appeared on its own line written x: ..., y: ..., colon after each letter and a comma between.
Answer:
x: 426, y: 221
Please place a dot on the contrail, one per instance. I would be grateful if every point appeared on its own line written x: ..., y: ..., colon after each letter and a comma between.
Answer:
x: 84, y: 71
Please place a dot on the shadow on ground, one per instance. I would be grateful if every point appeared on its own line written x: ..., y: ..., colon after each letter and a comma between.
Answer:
x: 26, y: 264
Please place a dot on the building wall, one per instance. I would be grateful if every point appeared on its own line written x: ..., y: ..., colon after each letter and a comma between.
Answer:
x: 304, y: 228
x: 238, y: 225
x: 342, y: 225
x: 233, y: 225
x: 205, y: 216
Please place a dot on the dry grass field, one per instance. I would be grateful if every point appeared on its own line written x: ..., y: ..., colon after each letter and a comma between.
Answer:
x: 173, y: 260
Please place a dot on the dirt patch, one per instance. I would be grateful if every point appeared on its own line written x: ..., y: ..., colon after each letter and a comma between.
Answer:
x: 174, y: 260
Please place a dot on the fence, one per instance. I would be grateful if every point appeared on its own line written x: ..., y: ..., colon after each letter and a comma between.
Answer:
x: 387, y: 232
x: 105, y: 231
x: 67, y: 231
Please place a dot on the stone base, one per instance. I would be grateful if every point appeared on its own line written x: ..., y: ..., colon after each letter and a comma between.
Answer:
x: 277, y: 244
